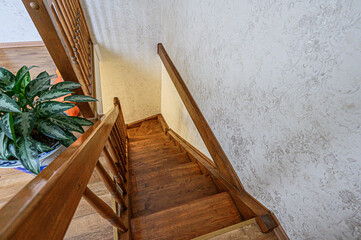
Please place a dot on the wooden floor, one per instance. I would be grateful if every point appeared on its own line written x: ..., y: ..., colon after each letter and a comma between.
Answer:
x: 13, y: 56
x: 86, y: 223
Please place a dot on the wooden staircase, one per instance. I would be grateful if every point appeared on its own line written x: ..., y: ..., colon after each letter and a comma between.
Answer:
x: 170, y: 196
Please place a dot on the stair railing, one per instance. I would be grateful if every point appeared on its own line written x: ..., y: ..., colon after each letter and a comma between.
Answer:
x: 220, y: 168
x: 62, y: 26
x: 43, y: 209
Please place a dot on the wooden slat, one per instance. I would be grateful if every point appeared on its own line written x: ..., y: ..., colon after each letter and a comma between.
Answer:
x: 44, y: 207
x: 104, y: 209
x: 56, y: 34
x: 211, y: 142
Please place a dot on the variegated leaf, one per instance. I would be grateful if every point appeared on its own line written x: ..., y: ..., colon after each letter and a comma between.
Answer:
x: 13, y: 150
x: 7, y: 79
x: 51, y: 130
x: 80, y: 98
x: 28, y: 154
x: 7, y: 125
x: 40, y: 83
x: 26, y: 123
x: 69, y: 141
x: 64, y: 123
x: 7, y: 104
x: 46, y: 109
x: 22, y: 79
x: 4, y: 140
x: 42, y: 147
x: 81, y: 121
x: 67, y: 85
x: 54, y: 93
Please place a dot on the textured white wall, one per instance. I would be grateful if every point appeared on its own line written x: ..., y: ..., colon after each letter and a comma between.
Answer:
x: 16, y: 24
x: 127, y: 33
x: 177, y: 116
x: 279, y: 83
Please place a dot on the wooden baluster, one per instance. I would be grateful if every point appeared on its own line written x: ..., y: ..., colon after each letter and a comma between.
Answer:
x: 118, y: 178
x: 66, y: 17
x: 69, y: 11
x: 117, y: 146
x: 119, y: 139
x: 63, y: 24
x: 110, y: 185
x: 117, y: 162
x: 116, y: 102
x: 83, y: 78
x: 66, y: 40
x: 104, y: 210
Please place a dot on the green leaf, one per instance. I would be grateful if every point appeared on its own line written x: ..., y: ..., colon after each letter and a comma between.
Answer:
x: 40, y: 83
x: 7, y: 79
x: 42, y: 147
x: 4, y: 140
x: 7, y: 104
x: 81, y: 121
x: 69, y: 141
x: 7, y: 125
x: 79, y: 98
x: 67, y: 85
x: 54, y: 93
x: 26, y: 123
x: 51, y: 130
x: 46, y: 109
x: 66, y: 123
x: 13, y: 150
x: 28, y: 154
x: 22, y: 79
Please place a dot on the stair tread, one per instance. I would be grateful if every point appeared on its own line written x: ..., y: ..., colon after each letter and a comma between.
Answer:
x: 151, y: 146
x: 247, y: 230
x: 149, y: 127
x: 146, y: 165
x: 166, y: 194
x: 155, y: 153
x: 181, y: 170
x: 151, y: 137
x: 189, y: 220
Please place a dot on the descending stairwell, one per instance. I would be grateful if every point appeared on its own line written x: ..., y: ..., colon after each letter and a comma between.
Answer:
x: 171, y: 198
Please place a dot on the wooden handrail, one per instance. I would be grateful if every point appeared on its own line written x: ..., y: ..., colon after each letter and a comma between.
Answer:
x: 209, y: 139
x: 248, y: 206
x: 62, y: 27
x: 44, y: 208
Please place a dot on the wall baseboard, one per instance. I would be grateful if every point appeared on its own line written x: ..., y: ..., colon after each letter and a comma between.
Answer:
x: 22, y: 44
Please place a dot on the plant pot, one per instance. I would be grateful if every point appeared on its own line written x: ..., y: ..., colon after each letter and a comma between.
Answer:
x: 45, y: 159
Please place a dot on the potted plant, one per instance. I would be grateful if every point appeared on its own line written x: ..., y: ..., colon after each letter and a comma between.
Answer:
x: 32, y: 121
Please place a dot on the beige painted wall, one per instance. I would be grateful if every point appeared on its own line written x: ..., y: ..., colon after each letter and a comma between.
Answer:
x: 177, y: 116
x: 279, y: 83
x: 127, y: 33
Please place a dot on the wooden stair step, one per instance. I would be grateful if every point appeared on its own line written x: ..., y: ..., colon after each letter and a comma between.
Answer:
x: 165, y: 176
x: 153, y: 137
x: 155, y: 153
x: 156, y: 197
x: 151, y: 146
x: 247, y: 230
x: 189, y: 220
x: 132, y: 132
x: 149, y: 127
x: 169, y: 174
x: 146, y: 165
